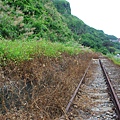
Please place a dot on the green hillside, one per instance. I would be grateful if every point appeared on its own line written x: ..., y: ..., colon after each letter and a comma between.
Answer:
x: 50, y: 20
x: 32, y: 19
x: 85, y: 34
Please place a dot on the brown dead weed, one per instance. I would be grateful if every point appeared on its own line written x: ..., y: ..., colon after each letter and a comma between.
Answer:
x: 40, y: 89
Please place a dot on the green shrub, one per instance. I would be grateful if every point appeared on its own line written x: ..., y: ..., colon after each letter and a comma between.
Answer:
x: 26, y: 50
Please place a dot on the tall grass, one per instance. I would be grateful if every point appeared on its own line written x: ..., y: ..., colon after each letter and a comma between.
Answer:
x: 25, y: 50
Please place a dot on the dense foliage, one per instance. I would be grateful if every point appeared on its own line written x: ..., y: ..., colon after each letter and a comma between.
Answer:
x: 32, y: 19
x: 50, y: 20
x: 62, y: 6
x: 11, y: 50
x: 85, y: 34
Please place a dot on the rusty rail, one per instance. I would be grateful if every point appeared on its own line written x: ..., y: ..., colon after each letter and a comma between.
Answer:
x: 112, y: 92
x: 110, y: 87
x: 74, y: 94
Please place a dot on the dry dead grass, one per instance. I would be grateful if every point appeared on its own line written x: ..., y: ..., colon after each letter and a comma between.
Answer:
x: 40, y: 89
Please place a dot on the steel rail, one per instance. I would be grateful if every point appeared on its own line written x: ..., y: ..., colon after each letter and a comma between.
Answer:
x: 112, y: 92
x: 74, y: 94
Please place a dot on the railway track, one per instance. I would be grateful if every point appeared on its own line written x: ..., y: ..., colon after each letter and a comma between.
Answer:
x: 97, y: 96
x: 113, y: 72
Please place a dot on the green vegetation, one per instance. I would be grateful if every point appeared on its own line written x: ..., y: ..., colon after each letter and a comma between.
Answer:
x: 62, y: 6
x: 85, y: 34
x: 24, y: 25
x: 32, y: 20
x: 114, y: 58
x: 11, y: 50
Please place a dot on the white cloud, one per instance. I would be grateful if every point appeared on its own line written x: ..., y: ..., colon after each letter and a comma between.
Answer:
x: 100, y: 14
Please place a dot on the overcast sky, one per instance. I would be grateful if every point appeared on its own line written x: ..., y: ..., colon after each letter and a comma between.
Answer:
x: 100, y: 14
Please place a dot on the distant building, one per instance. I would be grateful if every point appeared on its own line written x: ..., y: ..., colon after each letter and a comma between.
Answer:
x: 114, y: 40
x: 117, y: 40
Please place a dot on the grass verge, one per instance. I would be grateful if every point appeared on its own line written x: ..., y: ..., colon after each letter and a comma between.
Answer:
x: 25, y: 50
x: 115, y: 59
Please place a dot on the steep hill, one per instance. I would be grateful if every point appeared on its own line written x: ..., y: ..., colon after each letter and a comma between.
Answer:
x: 85, y: 34
x: 50, y: 20
x: 32, y: 19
